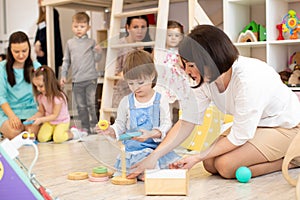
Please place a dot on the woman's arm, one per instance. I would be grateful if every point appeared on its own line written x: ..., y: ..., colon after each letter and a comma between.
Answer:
x: 221, y: 146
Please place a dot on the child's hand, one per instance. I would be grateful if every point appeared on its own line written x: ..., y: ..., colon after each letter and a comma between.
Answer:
x: 98, y: 49
x: 63, y: 80
x: 37, y: 121
x: 147, y: 134
x: 109, y: 131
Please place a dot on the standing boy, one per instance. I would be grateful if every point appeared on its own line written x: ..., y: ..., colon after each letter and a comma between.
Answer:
x: 82, y: 53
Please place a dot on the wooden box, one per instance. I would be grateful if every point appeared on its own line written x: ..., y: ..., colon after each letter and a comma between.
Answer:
x: 166, y: 182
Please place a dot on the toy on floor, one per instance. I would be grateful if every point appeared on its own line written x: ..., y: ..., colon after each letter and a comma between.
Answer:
x: 243, y: 174
x: 99, y: 174
x: 290, y: 23
x: 78, y: 175
x: 15, y: 174
x: 121, y: 180
x: 166, y: 182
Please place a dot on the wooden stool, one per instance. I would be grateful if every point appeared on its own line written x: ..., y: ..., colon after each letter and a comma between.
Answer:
x: 292, y: 152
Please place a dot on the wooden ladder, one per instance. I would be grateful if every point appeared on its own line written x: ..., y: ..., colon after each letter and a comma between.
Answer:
x: 117, y: 14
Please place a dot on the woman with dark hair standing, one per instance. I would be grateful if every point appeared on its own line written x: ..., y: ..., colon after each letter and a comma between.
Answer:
x: 266, y: 112
x: 137, y: 30
x: 40, y: 42
x: 16, y: 96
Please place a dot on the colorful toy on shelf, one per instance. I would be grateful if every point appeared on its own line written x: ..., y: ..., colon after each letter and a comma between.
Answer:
x: 253, y: 32
x: 279, y: 28
x: 291, y: 23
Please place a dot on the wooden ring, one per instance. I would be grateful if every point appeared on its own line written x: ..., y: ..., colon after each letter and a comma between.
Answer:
x: 100, y: 170
x: 103, y: 124
x: 98, y: 179
x: 78, y: 176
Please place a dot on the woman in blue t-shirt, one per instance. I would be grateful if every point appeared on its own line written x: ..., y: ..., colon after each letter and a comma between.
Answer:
x: 16, y: 97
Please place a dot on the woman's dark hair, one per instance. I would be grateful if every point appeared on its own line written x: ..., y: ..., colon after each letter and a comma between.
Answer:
x: 211, y: 50
x: 17, y: 38
x: 147, y: 37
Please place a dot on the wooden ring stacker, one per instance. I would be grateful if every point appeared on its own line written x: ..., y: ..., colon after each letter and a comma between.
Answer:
x: 78, y: 176
x: 122, y: 180
x: 292, y: 152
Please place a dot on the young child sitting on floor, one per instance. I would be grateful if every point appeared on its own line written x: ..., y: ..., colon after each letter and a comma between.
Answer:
x: 53, y: 111
x: 143, y: 110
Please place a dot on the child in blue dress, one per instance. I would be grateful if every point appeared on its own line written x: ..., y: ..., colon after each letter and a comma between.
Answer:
x: 143, y: 110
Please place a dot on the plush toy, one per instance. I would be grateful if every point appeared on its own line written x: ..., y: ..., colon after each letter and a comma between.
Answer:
x: 294, y: 78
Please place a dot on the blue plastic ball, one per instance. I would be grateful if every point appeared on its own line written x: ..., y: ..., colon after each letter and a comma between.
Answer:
x: 243, y: 174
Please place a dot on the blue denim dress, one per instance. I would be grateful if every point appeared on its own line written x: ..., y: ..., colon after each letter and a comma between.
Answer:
x: 143, y: 118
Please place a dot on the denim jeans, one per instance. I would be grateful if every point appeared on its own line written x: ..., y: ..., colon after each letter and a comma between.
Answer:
x: 85, y: 97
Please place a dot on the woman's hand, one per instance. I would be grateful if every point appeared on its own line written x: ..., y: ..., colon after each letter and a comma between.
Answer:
x: 139, y: 168
x: 15, y: 122
x: 185, y: 163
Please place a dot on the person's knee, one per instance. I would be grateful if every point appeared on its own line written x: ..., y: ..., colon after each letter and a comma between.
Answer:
x: 209, y: 166
x: 224, y: 167
x: 60, y: 137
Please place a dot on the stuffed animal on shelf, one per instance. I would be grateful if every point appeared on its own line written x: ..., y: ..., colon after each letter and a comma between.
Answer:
x: 294, y: 78
x: 291, y: 75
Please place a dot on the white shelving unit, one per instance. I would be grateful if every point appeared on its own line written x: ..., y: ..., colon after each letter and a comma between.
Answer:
x: 269, y: 13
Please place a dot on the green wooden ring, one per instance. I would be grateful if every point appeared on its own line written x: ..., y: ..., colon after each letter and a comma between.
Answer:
x: 100, y: 170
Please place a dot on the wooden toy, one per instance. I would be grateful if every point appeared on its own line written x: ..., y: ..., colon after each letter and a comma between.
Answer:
x: 166, y: 182
x: 292, y: 152
x: 122, y: 180
x: 103, y: 124
x: 78, y: 176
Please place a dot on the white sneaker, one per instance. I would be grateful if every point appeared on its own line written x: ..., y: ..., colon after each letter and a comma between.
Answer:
x: 78, y: 134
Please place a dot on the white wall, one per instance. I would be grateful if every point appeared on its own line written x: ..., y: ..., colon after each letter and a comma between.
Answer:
x: 16, y: 15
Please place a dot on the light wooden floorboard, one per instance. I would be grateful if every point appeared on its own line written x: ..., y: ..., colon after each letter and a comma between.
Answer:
x: 56, y: 161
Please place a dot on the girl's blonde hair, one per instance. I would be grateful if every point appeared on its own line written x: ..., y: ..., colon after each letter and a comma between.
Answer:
x: 51, y: 84
x: 139, y: 65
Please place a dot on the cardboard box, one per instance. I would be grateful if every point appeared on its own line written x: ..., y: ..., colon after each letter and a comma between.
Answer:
x: 166, y: 182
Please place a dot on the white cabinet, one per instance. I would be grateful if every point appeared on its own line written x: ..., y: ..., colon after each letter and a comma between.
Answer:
x: 269, y: 13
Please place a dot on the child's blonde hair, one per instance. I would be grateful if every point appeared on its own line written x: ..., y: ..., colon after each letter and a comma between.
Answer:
x: 81, y: 17
x: 139, y: 65
x: 51, y: 84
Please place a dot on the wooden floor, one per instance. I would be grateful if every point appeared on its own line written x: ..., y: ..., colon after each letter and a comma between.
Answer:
x: 56, y: 161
